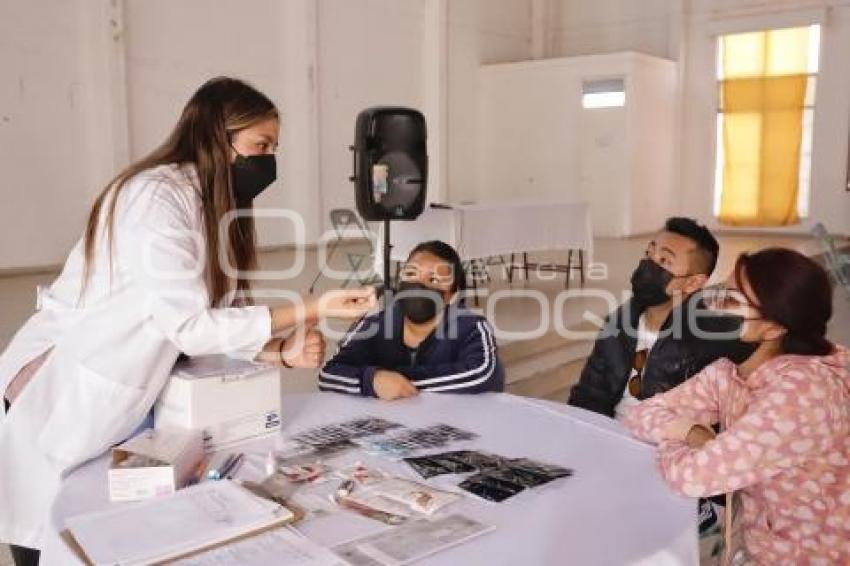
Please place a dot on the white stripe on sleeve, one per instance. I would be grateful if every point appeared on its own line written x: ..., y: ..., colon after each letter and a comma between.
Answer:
x: 489, y: 361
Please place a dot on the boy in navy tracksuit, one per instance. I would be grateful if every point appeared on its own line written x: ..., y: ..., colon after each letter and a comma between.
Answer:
x: 419, y: 344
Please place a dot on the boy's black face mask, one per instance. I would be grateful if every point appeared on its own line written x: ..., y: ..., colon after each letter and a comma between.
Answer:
x: 649, y: 283
x: 251, y: 175
x: 419, y: 303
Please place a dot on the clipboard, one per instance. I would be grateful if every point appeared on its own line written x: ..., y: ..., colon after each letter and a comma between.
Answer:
x: 295, y: 515
x: 78, y: 551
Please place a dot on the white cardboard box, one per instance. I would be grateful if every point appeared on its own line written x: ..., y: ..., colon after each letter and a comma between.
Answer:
x: 229, y: 400
x: 178, y: 454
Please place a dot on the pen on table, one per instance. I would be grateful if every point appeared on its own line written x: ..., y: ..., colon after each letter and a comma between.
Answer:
x: 216, y: 468
x: 231, y: 467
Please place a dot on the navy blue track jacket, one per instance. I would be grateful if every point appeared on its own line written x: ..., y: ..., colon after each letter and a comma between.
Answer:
x: 459, y: 356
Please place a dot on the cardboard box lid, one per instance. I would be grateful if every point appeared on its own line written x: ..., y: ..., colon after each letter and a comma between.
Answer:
x: 166, y: 445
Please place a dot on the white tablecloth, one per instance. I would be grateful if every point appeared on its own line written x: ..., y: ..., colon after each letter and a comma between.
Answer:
x: 614, y: 510
x: 484, y: 230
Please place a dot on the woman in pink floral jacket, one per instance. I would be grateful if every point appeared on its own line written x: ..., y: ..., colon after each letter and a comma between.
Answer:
x: 784, y: 416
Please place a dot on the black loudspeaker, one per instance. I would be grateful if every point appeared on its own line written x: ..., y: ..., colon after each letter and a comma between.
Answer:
x: 390, y: 163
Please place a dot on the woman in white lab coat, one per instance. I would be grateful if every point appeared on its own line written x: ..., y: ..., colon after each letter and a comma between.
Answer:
x: 162, y: 268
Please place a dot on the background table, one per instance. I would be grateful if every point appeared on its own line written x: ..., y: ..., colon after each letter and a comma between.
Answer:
x: 483, y: 230
x: 614, y: 510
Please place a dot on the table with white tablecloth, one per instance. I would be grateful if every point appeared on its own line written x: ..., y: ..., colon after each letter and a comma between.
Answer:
x: 615, y: 509
x: 499, y: 229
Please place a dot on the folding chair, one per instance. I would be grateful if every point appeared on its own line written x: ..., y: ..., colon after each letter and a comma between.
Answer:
x: 837, y: 262
x: 347, y: 225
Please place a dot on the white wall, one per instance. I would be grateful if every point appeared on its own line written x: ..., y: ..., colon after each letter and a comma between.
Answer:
x: 686, y: 30
x: 830, y: 202
x: 173, y: 47
x: 592, y: 27
x: 548, y: 147
x: 60, y: 138
x: 479, y: 32
x: 90, y: 85
x: 370, y: 53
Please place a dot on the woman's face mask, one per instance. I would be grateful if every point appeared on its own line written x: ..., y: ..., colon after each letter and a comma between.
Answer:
x: 734, y: 312
x: 254, y: 167
x: 251, y: 175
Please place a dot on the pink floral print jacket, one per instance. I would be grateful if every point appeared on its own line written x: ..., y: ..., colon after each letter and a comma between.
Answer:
x: 784, y: 443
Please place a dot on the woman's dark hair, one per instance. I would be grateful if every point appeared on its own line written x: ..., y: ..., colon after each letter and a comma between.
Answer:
x: 447, y: 253
x: 793, y: 291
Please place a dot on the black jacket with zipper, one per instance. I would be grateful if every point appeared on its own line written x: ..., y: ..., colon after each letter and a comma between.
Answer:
x: 677, y: 355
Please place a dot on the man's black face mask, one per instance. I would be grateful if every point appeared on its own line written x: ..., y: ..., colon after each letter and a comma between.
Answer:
x: 649, y: 283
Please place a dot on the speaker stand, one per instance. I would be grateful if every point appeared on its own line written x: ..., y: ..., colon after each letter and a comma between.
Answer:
x: 388, y: 287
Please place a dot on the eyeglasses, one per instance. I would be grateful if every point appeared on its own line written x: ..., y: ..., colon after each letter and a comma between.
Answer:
x: 436, y: 280
x: 726, y: 298
x: 638, y: 363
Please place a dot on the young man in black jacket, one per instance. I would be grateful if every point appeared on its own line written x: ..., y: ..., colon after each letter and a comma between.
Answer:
x: 424, y: 341
x: 663, y: 335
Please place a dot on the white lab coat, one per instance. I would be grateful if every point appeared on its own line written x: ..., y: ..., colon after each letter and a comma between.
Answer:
x: 112, y: 352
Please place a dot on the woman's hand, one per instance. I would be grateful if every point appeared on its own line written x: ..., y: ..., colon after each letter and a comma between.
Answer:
x: 340, y: 303
x: 303, y: 349
x: 391, y: 385
x: 346, y: 303
x: 698, y: 436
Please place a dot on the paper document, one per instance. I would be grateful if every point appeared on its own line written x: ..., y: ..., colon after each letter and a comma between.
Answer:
x: 277, y: 546
x: 170, y: 526
x: 412, y: 541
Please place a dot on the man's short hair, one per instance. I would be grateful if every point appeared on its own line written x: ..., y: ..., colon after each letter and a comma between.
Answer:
x: 705, y: 256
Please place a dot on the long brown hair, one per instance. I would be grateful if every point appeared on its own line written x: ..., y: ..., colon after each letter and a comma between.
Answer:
x: 202, y: 136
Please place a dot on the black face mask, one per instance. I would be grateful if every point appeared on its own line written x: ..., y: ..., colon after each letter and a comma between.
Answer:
x: 721, y: 325
x: 420, y: 302
x: 649, y: 283
x: 727, y: 326
x: 251, y: 175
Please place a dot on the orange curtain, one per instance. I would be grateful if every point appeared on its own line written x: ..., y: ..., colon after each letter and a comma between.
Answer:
x: 763, y: 93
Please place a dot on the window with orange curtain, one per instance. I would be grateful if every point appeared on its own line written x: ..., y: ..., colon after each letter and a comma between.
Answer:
x: 764, y: 126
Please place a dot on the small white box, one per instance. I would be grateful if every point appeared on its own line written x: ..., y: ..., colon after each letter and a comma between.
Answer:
x: 171, y: 458
x: 229, y: 400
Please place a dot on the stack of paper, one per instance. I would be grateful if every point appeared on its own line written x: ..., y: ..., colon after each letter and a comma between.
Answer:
x: 411, y: 542
x: 176, y: 525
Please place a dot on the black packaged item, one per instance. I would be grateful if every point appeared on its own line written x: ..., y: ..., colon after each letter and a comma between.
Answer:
x: 550, y: 470
x: 426, y: 466
x: 452, y: 433
x: 489, y: 488
x: 331, y: 448
x: 520, y: 476
x: 436, y: 465
x: 453, y: 466
x: 479, y: 460
x: 504, y: 483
